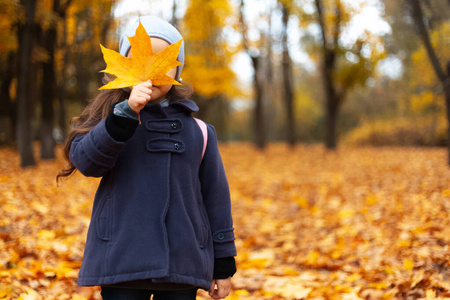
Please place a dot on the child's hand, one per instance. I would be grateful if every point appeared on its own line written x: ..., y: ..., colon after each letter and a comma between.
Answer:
x: 223, y: 288
x: 140, y: 95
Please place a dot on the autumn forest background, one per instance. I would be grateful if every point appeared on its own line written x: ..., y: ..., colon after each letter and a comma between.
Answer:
x: 333, y: 121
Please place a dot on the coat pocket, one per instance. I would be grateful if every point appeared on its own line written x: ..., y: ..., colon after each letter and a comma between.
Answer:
x: 204, y: 225
x: 104, y: 218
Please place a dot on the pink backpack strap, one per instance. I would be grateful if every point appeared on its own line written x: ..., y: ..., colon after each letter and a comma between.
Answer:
x: 205, y: 134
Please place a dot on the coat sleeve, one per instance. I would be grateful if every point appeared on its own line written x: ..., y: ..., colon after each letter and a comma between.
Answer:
x: 95, y: 152
x: 216, y: 196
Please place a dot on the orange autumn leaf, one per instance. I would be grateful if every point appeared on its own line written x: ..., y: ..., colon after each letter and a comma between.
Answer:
x: 143, y: 65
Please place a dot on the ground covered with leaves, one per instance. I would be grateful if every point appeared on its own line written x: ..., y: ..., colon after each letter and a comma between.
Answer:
x: 358, y: 223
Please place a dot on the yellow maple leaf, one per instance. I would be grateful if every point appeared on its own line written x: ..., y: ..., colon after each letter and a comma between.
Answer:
x: 408, y: 264
x: 143, y: 65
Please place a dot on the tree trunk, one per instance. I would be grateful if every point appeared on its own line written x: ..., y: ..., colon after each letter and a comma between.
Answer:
x: 330, y: 122
x: 82, y: 71
x: 447, y: 106
x: 287, y: 82
x: 48, y: 95
x: 332, y: 102
x: 24, y: 105
x: 7, y: 113
x: 222, y: 115
x: 61, y: 89
x: 174, y: 20
x: 332, y: 99
x: 269, y: 88
x: 82, y: 78
x: 259, y: 125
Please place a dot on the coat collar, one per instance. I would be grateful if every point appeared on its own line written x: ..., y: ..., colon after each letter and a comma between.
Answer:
x: 187, y: 104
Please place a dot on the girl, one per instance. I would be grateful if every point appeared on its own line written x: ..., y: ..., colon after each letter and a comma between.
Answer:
x: 161, y: 222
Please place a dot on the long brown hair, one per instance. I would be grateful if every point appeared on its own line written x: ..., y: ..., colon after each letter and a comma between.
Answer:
x: 99, y: 108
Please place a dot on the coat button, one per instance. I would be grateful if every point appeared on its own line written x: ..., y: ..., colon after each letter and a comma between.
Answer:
x: 220, y: 236
x: 174, y: 126
x: 176, y: 146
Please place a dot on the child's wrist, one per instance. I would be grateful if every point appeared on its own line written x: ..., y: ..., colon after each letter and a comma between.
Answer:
x: 129, y: 109
x: 123, y: 109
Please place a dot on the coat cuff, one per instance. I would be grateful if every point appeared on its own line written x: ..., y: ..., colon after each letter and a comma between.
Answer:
x: 120, y: 128
x: 224, y: 245
x: 224, y: 267
x: 123, y: 109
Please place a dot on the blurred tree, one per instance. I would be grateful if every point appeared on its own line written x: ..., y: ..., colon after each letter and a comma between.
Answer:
x: 56, y: 13
x: 400, y: 44
x: 401, y: 41
x: 287, y: 73
x: 26, y: 33
x: 442, y: 73
x: 89, y: 25
x: 61, y: 64
x: 78, y: 58
x: 409, y: 93
x: 44, y: 48
x: 345, y: 63
x: 208, y: 59
x: 428, y: 97
x: 262, y: 63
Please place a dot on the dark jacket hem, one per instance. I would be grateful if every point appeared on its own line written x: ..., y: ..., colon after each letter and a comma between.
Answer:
x: 197, y: 282
x: 111, y: 279
x: 108, y: 280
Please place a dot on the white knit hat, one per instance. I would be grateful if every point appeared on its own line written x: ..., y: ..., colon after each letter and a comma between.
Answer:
x: 158, y: 28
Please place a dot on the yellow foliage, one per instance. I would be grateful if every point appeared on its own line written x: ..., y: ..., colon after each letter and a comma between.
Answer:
x: 307, y: 109
x: 208, y: 58
x: 330, y: 9
x: 424, y: 82
x: 9, y: 15
x: 367, y: 50
x: 427, y: 130
x: 421, y: 101
x: 85, y: 20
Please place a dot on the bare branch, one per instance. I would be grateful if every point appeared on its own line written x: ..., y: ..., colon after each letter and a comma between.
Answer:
x: 244, y: 30
x: 418, y: 18
x: 319, y: 7
x: 64, y: 7
x: 337, y: 28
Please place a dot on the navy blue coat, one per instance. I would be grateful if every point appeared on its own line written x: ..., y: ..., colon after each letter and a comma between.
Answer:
x: 160, y: 211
